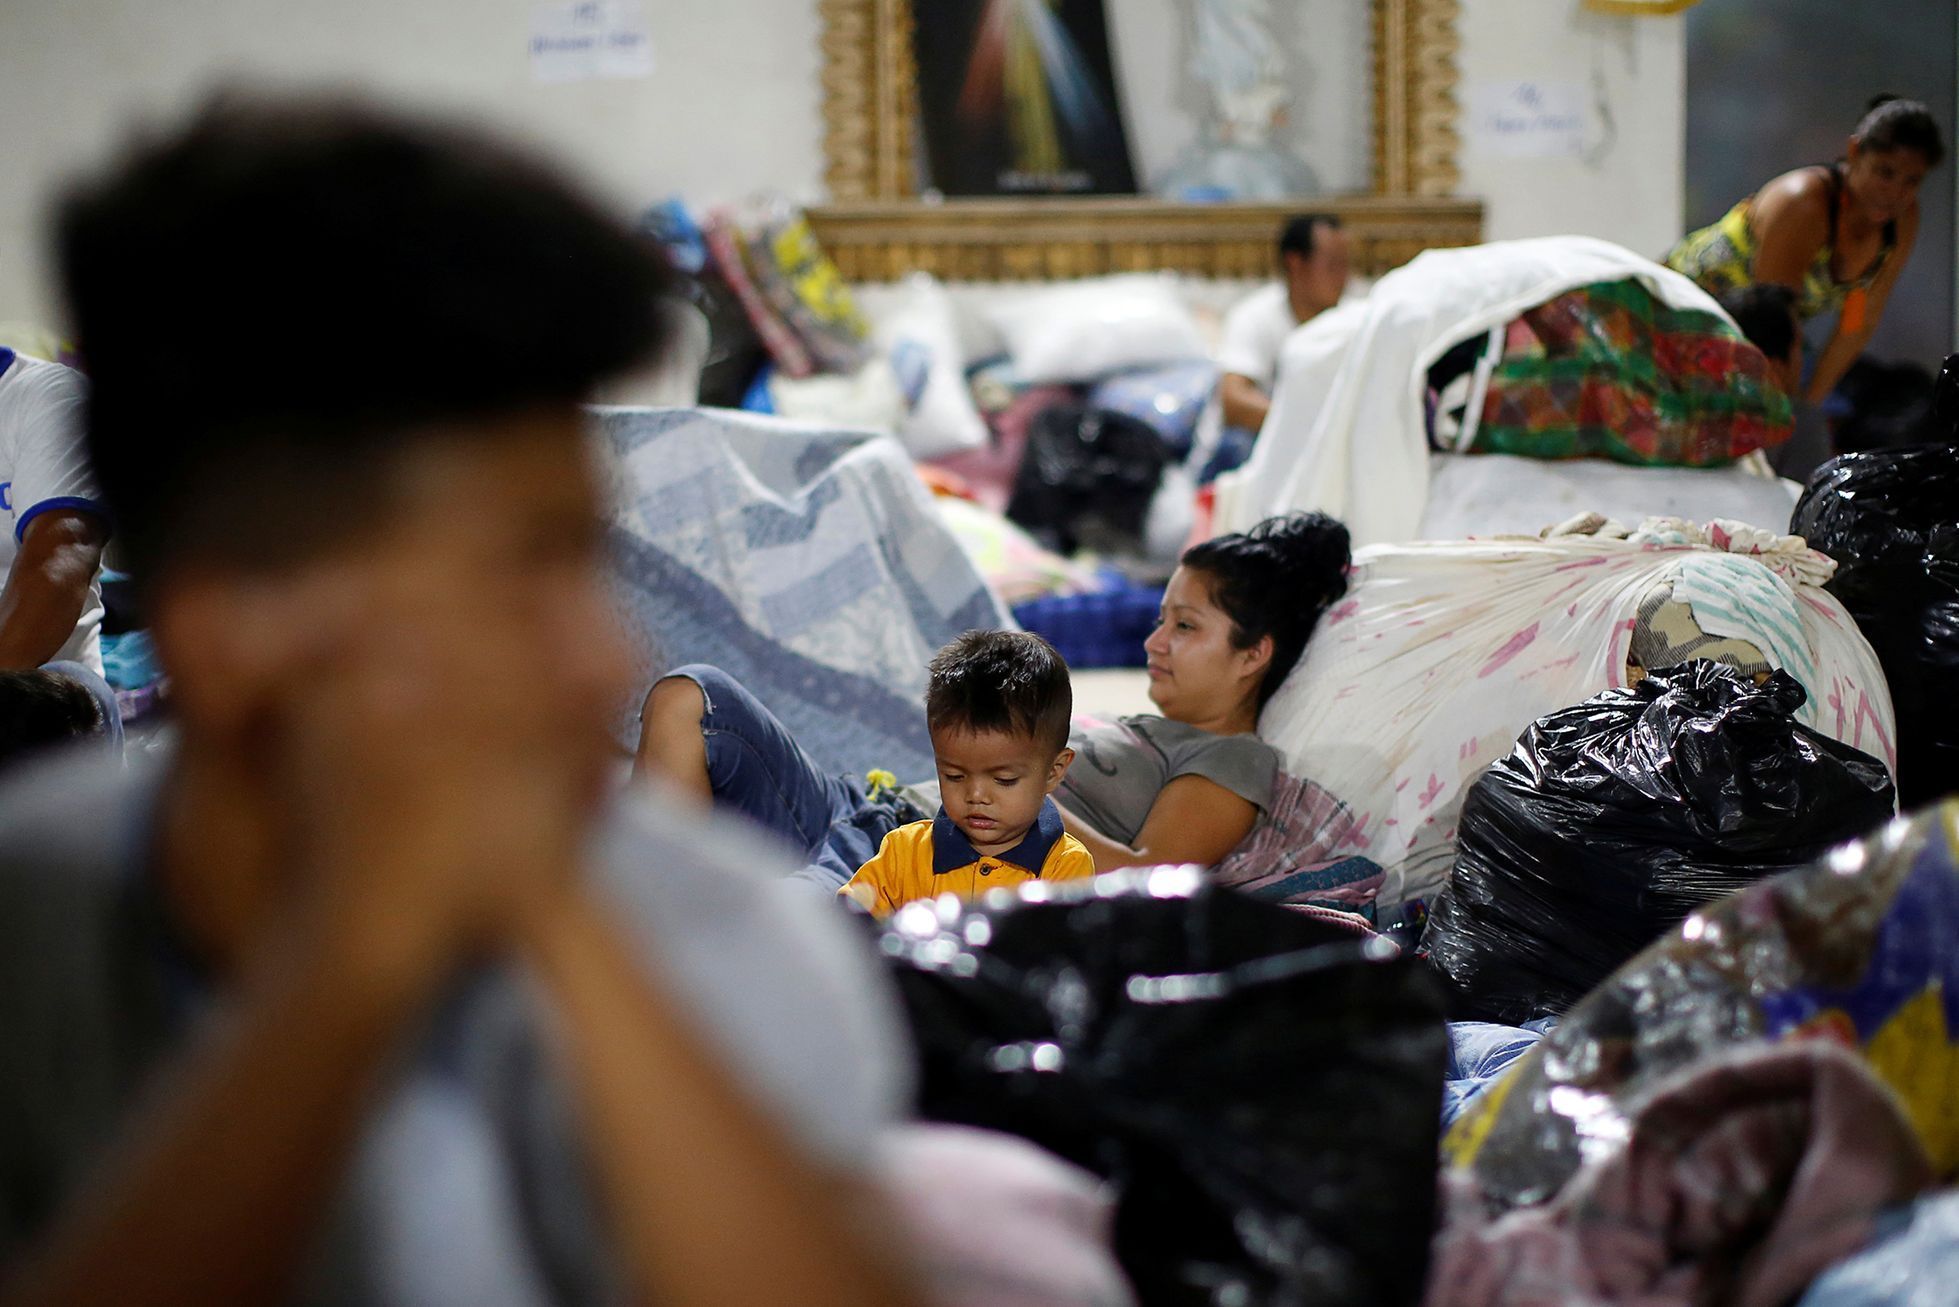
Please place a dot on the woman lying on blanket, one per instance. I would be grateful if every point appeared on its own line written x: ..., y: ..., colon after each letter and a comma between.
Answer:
x: 1185, y: 786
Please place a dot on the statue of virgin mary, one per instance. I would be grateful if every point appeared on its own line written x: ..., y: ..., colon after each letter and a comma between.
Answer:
x: 1235, y: 57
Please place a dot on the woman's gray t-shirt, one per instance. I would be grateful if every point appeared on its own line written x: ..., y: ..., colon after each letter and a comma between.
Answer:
x: 1120, y: 769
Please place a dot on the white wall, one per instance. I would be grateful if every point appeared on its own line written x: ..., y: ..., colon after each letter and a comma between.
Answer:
x: 1629, y: 184
x: 732, y: 105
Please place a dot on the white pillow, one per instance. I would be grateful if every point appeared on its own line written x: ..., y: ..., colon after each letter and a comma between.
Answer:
x: 920, y: 337
x: 867, y: 398
x: 1081, y: 331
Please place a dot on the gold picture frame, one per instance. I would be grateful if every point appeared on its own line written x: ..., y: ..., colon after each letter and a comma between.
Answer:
x: 877, y: 229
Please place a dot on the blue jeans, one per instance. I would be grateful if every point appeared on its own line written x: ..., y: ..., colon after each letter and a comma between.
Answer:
x: 756, y: 768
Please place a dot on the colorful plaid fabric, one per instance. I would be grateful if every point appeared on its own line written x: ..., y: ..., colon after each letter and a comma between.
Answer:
x: 1608, y: 371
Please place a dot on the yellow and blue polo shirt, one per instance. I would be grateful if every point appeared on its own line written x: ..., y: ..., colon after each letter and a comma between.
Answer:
x: 928, y: 858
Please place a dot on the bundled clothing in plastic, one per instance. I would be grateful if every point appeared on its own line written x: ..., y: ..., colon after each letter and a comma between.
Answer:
x: 1347, y: 433
x: 1442, y: 654
x: 1860, y: 949
x: 1261, y: 1087
x: 1751, y: 1105
x: 1613, y: 819
x: 1887, y: 519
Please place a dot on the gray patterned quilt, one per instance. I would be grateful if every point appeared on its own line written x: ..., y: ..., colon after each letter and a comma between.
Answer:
x: 806, y: 561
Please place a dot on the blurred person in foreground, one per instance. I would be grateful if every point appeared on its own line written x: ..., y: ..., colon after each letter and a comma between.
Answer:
x: 370, y: 994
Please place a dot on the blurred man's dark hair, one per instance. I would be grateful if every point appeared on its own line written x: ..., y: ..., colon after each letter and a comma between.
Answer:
x: 444, y: 276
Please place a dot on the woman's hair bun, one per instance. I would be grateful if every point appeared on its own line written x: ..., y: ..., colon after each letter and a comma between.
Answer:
x: 1276, y: 580
x: 1312, y: 550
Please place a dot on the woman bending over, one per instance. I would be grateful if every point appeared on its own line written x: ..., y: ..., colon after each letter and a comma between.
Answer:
x: 1836, y: 234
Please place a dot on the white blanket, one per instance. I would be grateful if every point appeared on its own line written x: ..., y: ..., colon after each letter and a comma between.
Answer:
x: 1346, y: 434
x: 1502, y: 494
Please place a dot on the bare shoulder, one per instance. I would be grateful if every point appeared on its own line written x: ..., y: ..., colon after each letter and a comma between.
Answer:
x: 1800, y: 199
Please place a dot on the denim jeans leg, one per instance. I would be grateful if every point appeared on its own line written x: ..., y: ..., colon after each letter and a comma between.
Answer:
x: 756, y: 768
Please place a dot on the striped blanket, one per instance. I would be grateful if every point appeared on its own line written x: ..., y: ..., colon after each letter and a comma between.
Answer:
x: 1305, y: 849
x: 806, y: 561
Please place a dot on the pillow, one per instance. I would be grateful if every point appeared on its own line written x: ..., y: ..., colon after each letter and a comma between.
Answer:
x: 868, y: 398
x: 1085, y: 330
x: 920, y: 337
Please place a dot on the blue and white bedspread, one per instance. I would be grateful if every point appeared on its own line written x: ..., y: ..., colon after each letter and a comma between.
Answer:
x: 804, y: 560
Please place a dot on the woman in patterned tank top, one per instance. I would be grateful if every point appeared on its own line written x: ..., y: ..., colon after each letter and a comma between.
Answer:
x: 1836, y: 234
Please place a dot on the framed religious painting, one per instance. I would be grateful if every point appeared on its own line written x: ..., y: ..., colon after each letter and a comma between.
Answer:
x: 1018, y: 98
x: 988, y: 139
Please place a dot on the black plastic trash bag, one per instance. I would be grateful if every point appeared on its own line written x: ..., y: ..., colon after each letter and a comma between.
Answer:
x: 1890, y: 406
x: 1087, y: 479
x: 1611, y: 821
x: 1890, y: 519
x: 1262, y: 1089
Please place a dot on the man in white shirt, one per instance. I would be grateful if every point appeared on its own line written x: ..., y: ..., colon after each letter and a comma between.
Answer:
x: 1313, y: 265
x: 51, y: 606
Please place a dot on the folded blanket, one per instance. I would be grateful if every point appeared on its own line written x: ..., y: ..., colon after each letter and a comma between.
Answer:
x: 807, y: 562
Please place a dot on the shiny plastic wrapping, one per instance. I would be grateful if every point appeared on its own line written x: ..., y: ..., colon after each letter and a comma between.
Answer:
x: 1861, y: 948
x: 1262, y: 1089
x: 1887, y: 519
x: 1612, y: 820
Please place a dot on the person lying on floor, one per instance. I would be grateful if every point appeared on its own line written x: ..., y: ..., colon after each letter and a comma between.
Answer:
x: 365, y: 996
x: 997, y: 705
x: 1185, y: 786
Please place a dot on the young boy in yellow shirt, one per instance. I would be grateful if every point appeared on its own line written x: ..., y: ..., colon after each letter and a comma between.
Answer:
x: 997, y: 704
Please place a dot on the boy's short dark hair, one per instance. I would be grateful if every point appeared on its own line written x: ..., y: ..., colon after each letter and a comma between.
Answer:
x: 40, y: 708
x: 1007, y: 682
x: 271, y: 299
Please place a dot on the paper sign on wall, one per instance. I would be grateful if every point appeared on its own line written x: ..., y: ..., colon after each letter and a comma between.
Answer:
x: 590, y: 39
x: 1527, y: 120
